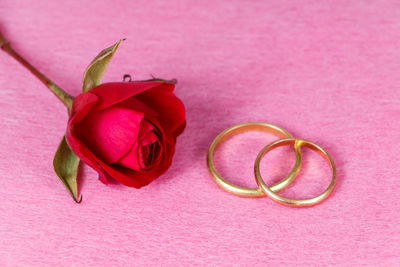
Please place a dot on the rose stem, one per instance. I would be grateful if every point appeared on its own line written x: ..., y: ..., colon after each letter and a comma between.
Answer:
x: 60, y: 93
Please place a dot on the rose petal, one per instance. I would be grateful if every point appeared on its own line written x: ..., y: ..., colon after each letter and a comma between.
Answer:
x: 179, y: 130
x: 139, y: 179
x: 170, y: 108
x: 136, y: 104
x: 113, y: 93
x: 146, y: 135
x: 153, y: 155
x: 109, y: 133
x: 131, y: 159
x: 85, y: 155
x: 135, y: 158
x: 81, y: 106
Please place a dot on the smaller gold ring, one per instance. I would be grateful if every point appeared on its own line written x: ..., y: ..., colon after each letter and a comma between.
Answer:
x: 297, y: 143
x: 244, y: 127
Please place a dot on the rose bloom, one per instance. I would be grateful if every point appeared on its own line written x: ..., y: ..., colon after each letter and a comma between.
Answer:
x: 127, y: 131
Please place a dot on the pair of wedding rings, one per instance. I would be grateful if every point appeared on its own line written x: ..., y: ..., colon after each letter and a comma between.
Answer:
x: 263, y: 189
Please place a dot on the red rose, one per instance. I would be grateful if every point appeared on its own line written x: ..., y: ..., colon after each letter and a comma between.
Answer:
x: 127, y: 131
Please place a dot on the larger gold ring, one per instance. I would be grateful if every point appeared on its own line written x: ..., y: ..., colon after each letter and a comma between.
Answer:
x: 243, y: 127
x: 297, y: 143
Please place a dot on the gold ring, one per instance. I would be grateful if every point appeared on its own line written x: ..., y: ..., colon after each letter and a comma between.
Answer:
x: 244, y: 127
x: 297, y: 143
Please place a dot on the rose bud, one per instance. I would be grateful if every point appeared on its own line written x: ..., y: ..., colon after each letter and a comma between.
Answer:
x: 127, y: 131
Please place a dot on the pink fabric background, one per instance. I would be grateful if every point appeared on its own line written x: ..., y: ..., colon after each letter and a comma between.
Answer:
x: 327, y: 71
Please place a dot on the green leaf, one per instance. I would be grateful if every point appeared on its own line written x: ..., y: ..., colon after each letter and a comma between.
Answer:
x: 95, y: 71
x: 66, y: 167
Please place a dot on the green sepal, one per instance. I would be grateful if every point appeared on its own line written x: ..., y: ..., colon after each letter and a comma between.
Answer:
x: 66, y: 165
x: 95, y: 71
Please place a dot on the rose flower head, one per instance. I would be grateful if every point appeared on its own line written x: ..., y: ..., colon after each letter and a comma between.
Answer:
x: 127, y: 130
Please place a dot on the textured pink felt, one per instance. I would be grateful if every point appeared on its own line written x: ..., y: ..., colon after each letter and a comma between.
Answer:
x: 328, y: 71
